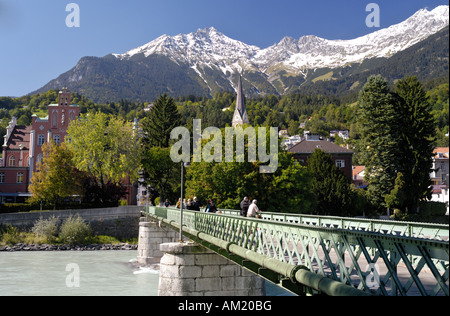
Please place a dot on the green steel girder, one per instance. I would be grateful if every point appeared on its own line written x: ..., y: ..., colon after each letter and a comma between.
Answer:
x: 350, y: 256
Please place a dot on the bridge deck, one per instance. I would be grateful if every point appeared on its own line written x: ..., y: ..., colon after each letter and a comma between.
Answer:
x: 377, y: 257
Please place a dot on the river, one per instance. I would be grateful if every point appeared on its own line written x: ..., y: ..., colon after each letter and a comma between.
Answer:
x: 81, y: 273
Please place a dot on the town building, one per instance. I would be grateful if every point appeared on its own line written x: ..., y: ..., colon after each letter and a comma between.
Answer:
x: 22, y: 147
x: 440, y: 176
x: 341, y: 156
x: 344, y: 134
x: 440, y: 167
x: 358, y: 177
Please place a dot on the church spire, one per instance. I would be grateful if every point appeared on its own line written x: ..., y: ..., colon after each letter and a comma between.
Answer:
x: 240, y: 116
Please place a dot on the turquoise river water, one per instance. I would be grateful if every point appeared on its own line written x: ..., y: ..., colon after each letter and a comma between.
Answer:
x: 81, y: 273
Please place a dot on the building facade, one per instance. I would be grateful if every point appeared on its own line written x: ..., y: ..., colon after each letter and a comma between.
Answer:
x: 22, y: 146
x: 440, y: 176
x: 342, y: 157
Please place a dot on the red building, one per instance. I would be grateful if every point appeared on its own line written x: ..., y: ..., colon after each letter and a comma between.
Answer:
x: 22, y: 147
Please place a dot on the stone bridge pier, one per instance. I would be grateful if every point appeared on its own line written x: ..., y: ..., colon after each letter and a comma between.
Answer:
x: 151, y: 235
x: 189, y: 269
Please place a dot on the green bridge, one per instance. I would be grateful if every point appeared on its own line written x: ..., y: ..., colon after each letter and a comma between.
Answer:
x: 310, y: 255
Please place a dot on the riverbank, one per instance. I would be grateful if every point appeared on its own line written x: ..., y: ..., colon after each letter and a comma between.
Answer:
x: 48, y: 247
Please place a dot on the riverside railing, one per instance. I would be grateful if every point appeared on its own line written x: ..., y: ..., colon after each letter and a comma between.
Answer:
x: 370, y: 261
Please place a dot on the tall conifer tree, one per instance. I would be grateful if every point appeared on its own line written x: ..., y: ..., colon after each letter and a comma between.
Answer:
x: 418, y: 133
x: 398, y: 134
x: 162, y: 118
x: 330, y: 186
x: 380, y: 137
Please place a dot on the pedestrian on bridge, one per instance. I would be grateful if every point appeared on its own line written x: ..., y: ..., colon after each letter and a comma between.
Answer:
x: 195, y: 205
x: 210, y: 207
x: 244, y: 206
x: 253, y: 210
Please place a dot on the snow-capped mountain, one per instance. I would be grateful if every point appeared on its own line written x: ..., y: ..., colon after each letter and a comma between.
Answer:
x: 209, y: 47
x: 206, y: 61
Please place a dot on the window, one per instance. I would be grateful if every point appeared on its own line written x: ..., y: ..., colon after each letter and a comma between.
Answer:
x: 340, y: 163
x: 54, y: 122
x: 41, y: 140
x: 2, y: 177
x: 19, y: 177
x: 12, y: 161
x: 56, y: 139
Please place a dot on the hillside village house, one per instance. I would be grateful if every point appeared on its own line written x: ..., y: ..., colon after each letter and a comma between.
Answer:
x: 341, y: 156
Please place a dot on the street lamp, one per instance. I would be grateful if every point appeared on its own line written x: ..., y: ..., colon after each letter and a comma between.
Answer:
x: 185, y: 164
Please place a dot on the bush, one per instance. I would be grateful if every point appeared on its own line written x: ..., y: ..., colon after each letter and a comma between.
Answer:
x: 46, y: 229
x: 74, y: 230
x: 10, y: 235
x: 432, y: 209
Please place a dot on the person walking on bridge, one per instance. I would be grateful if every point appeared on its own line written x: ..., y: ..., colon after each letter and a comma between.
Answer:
x: 210, y: 207
x: 253, y: 210
x: 244, y: 206
x: 195, y: 205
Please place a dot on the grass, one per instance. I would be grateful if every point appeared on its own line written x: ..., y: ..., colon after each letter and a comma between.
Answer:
x: 326, y: 77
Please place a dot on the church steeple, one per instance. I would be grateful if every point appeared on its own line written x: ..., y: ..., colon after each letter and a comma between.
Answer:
x: 240, y: 116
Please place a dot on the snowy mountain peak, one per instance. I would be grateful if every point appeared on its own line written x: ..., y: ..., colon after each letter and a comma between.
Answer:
x: 210, y: 48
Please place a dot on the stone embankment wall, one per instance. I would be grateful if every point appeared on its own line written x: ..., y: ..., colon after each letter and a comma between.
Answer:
x: 120, y: 222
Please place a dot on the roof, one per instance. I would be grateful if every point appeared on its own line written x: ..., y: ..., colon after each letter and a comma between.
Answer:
x: 309, y: 146
x: 357, y: 170
x: 20, y: 138
x: 240, y: 104
x: 443, y: 150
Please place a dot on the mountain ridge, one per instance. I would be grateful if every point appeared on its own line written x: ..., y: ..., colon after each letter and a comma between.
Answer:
x: 206, y: 61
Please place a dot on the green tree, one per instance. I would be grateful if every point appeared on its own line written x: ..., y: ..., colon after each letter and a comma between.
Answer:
x: 55, y: 178
x: 418, y: 132
x: 398, y: 134
x: 397, y: 197
x: 334, y: 195
x: 285, y: 190
x: 380, y: 137
x: 105, y: 147
x: 291, y: 187
x: 160, y: 121
x: 160, y: 172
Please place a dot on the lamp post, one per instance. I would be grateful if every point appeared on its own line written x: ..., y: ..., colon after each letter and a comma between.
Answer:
x: 185, y: 164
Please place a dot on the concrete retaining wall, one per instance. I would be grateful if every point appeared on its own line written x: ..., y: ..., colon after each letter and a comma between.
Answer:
x: 121, y: 222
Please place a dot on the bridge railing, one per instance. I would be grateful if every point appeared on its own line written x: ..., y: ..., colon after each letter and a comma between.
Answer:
x: 375, y: 262
x: 398, y: 228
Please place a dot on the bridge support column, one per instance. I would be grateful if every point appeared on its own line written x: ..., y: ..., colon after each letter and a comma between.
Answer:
x: 188, y: 269
x: 151, y: 236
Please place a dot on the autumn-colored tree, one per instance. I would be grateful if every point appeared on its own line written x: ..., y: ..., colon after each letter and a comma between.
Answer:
x: 55, y: 178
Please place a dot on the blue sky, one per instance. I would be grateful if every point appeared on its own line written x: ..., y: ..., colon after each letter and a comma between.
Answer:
x: 36, y: 45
